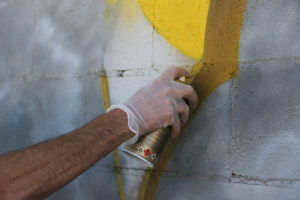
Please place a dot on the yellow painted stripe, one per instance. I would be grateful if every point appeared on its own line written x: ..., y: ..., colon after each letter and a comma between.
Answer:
x: 218, y: 64
x: 119, y: 179
x: 144, y: 185
x: 105, y: 90
x: 181, y: 22
x: 105, y: 94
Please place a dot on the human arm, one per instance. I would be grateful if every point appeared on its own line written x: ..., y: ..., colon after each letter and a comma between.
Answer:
x: 40, y: 170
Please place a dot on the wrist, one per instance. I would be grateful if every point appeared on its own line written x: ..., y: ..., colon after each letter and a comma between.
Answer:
x: 131, y: 121
x: 120, y: 118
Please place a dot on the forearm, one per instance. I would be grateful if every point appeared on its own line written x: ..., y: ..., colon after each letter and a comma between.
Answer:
x: 40, y: 170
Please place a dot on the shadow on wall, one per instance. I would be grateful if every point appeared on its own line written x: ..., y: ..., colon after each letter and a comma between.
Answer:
x: 265, y: 132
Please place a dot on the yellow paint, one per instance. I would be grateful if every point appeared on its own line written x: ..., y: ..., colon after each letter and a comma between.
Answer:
x: 105, y: 90
x: 218, y: 64
x: 144, y: 184
x: 105, y: 94
x: 181, y: 22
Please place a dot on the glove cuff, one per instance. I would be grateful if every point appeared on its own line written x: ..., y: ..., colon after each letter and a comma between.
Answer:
x: 132, y: 124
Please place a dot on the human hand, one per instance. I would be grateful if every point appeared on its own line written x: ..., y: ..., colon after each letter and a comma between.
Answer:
x: 162, y: 103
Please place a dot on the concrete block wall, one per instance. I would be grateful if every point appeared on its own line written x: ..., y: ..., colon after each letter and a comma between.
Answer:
x: 242, y: 142
x: 51, y: 58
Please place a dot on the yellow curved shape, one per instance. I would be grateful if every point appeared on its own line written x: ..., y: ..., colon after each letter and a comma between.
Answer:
x: 181, y: 22
x: 218, y: 64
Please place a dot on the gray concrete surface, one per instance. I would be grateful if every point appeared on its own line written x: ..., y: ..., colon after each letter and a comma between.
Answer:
x: 51, y: 55
x: 195, y: 187
x: 251, y: 149
x: 243, y: 141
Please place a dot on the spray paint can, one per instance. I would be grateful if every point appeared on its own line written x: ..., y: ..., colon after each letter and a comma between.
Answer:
x: 149, y: 147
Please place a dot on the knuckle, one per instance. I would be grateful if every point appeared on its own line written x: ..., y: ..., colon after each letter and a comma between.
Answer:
x: 190, y: 89
x: 186, y: 109
x: 177, y: 119
x: 156, y: 82
x: 170, y: 72
x: 172, y: 69
x: 167, y: 91
x: 170, y: 91
x: 167, y: 72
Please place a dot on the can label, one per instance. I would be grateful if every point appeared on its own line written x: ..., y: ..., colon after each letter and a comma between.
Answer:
x: 143, y: 151
x: 149, y: 147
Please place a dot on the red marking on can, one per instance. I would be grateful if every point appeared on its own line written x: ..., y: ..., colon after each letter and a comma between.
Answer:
x: 147, y: 152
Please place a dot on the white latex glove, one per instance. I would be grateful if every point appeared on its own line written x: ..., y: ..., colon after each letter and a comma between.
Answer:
x: 162, y: 103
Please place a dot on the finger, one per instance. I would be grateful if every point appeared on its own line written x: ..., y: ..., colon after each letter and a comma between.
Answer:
x: 183, y: 110
x: 176, y: 126
x: 188, y: 93
x: 176, y: 72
